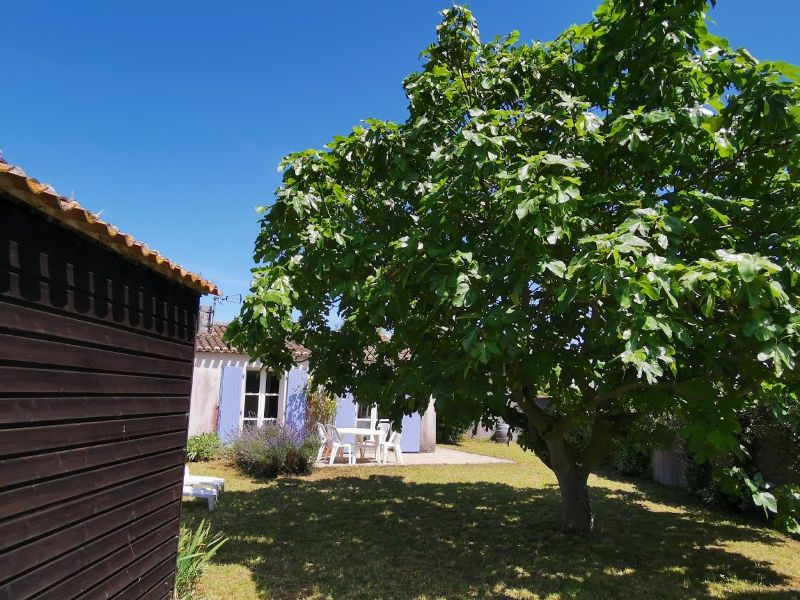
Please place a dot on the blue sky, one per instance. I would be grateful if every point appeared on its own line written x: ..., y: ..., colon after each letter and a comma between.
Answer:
x: 171, y: 117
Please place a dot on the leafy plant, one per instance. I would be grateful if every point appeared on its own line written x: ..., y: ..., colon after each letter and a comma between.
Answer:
x: 272, y: 450
x: 203, y: 447
x: 321, y: 405
x: 728, y: 481
x: 630, y: 460
x: 196, y: 547
x: 631, y: 453
x: 728, y: 486
x: 771, y: 442
x: 451, y: 429
x: 788, y: 504
x: 608, y: 219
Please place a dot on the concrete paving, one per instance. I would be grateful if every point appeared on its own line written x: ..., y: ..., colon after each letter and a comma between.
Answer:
x: 442, y: 456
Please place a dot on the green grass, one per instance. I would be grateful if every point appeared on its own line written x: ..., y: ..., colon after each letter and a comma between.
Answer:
x: 479, y: 531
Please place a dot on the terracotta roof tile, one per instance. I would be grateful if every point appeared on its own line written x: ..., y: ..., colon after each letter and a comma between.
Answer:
x: 44, y: 198
x: 213, y: 342
x: 371, y: 353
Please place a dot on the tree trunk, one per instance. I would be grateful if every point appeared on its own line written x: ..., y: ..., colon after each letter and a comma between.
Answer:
x: 576, y: 513
x: 548, y: 439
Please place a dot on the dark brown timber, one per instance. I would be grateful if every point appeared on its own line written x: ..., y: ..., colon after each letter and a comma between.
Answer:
x: 95, y: 377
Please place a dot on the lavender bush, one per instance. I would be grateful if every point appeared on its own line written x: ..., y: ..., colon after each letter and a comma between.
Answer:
x: 272, y: 450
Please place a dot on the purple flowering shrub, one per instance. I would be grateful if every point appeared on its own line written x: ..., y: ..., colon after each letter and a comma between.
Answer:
x: 272, y: 450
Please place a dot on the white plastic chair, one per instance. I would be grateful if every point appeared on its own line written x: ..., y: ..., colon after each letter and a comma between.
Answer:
x: 323, y: 440
x: 383, y: 426
x: 337, y: 444
x: 207, y: 493
x: 393, y: 443
x: 217, y: 483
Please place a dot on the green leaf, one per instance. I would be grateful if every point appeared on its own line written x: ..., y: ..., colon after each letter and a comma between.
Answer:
x: 769, y: 502
x: 746, y: 269
x: 657, y: 116
x: 724, y: 147
x: 776, y: 291
x: 557, y: 267
x: 708, y: 305
x: 718, y: 216
x: 572, y: 163
x: 788, y: 70
x: 650, y: 324
x: 648, y: 289
x: 462, y: 289
x: 674, y: 225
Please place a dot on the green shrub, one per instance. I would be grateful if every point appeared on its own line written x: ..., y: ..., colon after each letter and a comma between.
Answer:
x: 203, y: 447
x: 707, y: 482
x: 630, y: 460
x: 771, y: 443
x: 788, y: 518
x: 743, y: 481
x: 195, y: 549
x: 450, y: 429
x: 632, y: 453
x: 273, y: 450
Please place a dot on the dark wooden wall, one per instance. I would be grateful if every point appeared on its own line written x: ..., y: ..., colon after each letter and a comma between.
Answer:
x: 95, y: 376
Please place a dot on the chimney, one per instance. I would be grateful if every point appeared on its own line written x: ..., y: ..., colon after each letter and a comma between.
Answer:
x: 205, y: 318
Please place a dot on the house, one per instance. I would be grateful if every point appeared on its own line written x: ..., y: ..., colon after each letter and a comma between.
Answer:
x: 96, y: 349
x: 230, y: 391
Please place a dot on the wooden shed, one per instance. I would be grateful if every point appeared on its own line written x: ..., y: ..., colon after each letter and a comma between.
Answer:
x: 96, y: 348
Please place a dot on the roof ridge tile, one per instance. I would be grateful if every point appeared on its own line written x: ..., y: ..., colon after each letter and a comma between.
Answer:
x: 43, y: 197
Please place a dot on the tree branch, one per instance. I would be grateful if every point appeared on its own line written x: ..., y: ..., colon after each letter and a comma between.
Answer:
x: 603, y: 430
x: 602, y: 399
x: 536, y: 416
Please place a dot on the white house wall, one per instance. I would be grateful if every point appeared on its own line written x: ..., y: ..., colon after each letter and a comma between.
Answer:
x: 206, y: 388
x: 206, y: 394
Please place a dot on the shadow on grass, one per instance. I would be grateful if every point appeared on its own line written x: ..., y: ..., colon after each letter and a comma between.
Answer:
x: 383, y: 537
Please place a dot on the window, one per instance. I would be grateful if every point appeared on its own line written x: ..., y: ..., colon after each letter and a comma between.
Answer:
x: 251, y: 397
x: 366, y: 415
x: 260, y: 403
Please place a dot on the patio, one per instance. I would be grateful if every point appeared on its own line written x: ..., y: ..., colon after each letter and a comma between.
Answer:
x: 371, y: 446
x: 441, y: 456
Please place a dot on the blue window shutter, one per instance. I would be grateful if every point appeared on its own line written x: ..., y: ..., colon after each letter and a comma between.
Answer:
x: 295, y: 398
x: 346, y: 413
x: 412, y: 427
x: 230, y: 402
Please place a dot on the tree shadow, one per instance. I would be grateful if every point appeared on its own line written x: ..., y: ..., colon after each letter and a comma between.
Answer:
x: 384, y: 537
x: 765, y: 595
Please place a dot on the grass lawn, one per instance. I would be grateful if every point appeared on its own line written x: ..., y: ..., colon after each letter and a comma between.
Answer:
x: 479, y: 531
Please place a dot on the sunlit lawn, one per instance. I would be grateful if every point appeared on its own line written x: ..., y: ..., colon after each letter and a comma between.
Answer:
x: 479, y: 531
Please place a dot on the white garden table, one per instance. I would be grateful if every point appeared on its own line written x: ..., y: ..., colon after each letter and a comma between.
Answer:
x: 365, y: 431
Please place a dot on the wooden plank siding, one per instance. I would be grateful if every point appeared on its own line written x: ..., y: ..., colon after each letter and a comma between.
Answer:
x: 95, y: 376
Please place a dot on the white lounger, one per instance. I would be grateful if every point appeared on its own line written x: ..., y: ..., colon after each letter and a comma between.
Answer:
x: 208, y: 493
x: 218, y: 483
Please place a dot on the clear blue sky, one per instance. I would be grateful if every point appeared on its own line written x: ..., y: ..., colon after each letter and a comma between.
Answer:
x: 171, y: 117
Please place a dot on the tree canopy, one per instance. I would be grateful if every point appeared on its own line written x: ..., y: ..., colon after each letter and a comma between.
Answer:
x: 566, y: 234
